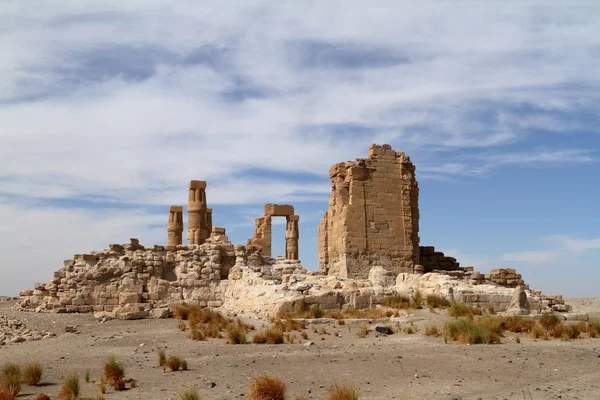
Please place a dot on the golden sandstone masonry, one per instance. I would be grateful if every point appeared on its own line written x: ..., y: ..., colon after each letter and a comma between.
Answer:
x: 368, y: 243
x: 373, y: 216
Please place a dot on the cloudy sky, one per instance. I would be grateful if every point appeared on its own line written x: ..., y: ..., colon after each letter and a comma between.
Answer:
x: 108, y: 109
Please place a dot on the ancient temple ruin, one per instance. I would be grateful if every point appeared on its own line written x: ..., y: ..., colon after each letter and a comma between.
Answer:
x: 368, y: 244
x: 373, y: 216
x: 262, y: 232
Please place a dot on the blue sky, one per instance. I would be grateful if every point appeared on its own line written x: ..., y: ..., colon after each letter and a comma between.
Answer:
x: 108, y: 109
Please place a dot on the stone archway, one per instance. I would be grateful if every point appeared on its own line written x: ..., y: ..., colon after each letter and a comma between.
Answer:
x: 263, y: 230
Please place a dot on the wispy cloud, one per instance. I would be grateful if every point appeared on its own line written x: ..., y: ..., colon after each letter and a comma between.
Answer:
x: 100, y: 103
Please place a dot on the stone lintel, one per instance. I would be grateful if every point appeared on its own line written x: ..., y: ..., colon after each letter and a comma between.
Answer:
x: 279, y: 210
x: 197, y: 184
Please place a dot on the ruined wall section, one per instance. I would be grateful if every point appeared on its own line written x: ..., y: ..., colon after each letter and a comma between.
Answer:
x: 373, y: 216
x: 149, y: 277
x: 431, y: 260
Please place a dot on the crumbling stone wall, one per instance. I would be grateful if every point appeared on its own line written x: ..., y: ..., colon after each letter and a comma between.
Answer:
x: 373, y: 216
x: 134, y: 274
x: 436, y: 260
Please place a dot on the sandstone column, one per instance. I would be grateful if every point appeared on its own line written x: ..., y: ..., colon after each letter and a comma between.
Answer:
x: 197, y: 232
x: 291, y: 238
x: 175, y: 226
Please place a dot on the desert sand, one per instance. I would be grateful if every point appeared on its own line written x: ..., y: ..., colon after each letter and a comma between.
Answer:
x: 398, y: 366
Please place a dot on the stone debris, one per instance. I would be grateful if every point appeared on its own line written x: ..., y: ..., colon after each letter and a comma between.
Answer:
x: 368, y: 249
x: 14, y: 331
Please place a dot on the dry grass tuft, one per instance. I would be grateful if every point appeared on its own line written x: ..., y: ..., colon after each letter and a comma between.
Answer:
x: 463, y: 310
x: 266, y: 388
x: 343, y: 392
x: 436, y: 301
x: 472, y: 332
x: 397, y: 301
x: 236, y: 334
x: 69, y: 389
x: 10, y: 380
x: 162, y: 357
x: 114, y: 373
x: 189, y: 394
x: 432, y: 331
x: 181, y: 312
x: 174, y: 363
x: 42, y: 396
x: 593, y: 328
x: 32, y: 374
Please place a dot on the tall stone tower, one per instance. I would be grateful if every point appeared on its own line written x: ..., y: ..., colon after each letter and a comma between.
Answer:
x: 175, y: 226
x: 198, y: 216
x: 373, y: 216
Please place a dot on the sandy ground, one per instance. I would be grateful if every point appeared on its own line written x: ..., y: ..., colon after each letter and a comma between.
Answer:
x: 398, y: 366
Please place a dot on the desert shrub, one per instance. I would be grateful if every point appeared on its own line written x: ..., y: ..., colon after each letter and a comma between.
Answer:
x: 343, y: 392
x: 593, y: 328
x: 397, y: 301
x: 362, y: 332
x: 517, y: 323
x: 196, y: 334
x: 432, y: 331
x: 549, y: 321
x: 69, y: 389
x: 463, y: 310
x: 182, y: 326
x: 181, y: 312
x: 189, y: 394
x: 573, y: 331
x: 114, y: 373
x: 174, y: 363
x: 517, y: 339
x: 184, y: 365
x: 493, y: 324
x: 162, y: 357
x: 471, y: 332
x: 304, y: 335
x: 274, y: 336
x: 86, y: 375
x: 259, y: 338
x: 41, y: 396
x: 538, y: 332
x: 266, y: 388
x: 416, y: 300
x: 436, y: 301
x: 316, y: 311
x: 10, y: 380
x: 32, y: 373
x: 236, y: 335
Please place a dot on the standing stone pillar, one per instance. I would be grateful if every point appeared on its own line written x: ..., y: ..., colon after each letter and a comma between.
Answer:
x: 175, y: 226
x: 209, y: 225
x: 291, y: 237
x: 197, y: 232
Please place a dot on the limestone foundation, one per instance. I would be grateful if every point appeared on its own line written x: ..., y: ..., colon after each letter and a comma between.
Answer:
x: 198, y: 215
x: 373, y: 216
x: 175, y: 226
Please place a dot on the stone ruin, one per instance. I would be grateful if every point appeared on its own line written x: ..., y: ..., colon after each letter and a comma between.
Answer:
x: 368, y: 244
x: 262, y: 232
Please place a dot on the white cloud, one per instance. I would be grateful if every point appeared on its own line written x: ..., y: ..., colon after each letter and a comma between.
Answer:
x: 530, y: 256
x: 576, y: 245
x: 125, y: 102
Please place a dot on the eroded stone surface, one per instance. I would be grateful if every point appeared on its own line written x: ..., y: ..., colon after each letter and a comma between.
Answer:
x: 373, y: 216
